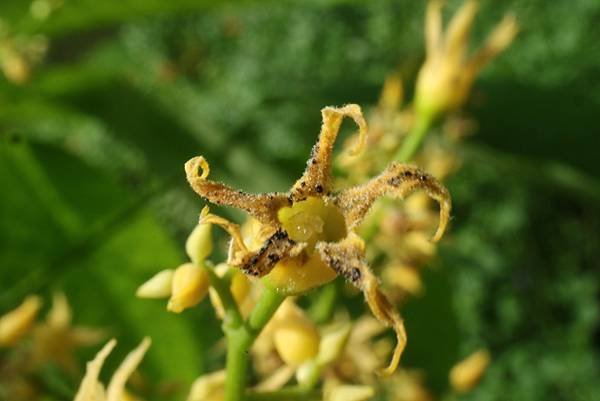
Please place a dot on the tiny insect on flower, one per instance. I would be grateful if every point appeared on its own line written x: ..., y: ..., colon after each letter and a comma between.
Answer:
x: 311, y: 230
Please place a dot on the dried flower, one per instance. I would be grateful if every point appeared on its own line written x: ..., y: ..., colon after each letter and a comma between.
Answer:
x: 311, y: 230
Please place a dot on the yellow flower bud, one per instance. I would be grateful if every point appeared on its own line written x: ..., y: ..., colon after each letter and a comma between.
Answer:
x: 209, y: 387
x: 405, y: 277
x: 190, y: 286
x: 349, y: 392
x: 295, y: 276
x: 16, y: 323
x: 159, y: 286
x: 333, y: 343
x: 465, y: 375
x: 199, y: 244
x: 295, y: 337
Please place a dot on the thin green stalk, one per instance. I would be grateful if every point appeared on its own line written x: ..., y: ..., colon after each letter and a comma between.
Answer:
x: 233, y: 317
x: 323, y: 307
x: 240, y: 336
x: 414, y: 139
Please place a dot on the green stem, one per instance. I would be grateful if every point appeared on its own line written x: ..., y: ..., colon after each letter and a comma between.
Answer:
x: 233, y: 317
x: 414, y: 139
x: 323, y: 307
x: 240, y: 336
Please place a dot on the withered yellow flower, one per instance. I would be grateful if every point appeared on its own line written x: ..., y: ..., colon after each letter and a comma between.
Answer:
x: 310, y: 231
x: 17, y: 323
x: 465, y: 375
x: 445, y: 80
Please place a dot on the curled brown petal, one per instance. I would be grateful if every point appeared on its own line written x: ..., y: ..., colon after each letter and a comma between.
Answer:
x: 277, y: 247
x: 347, y: 259
x: 397, y: 180
x: 263, y: 207
x: 316, y: 180
x: 259, y: 263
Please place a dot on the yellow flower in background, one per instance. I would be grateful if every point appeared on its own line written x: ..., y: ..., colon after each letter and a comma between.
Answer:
x: 17, y: 323
x: 446, y: 77
x: 311, y: 230
x: 91, y: 389
x: 465, y: 375
x: 208, y: 387
x: 57, y: 340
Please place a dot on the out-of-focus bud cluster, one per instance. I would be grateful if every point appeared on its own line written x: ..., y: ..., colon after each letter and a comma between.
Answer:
x: 447, y: 76
x: 29, y: 346
x: 21, y: 53
x: 398, y: 233
x: 91, y: 389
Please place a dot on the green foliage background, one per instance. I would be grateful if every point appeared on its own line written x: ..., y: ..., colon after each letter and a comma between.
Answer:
x: 94, y: 199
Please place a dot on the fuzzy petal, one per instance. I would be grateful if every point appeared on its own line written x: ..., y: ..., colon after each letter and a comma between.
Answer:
x: 316, y: 180
x: 397, y: 180
x: 347, y: 259
x: 263, y: 207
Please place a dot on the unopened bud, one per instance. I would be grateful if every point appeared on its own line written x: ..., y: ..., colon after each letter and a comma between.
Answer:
x: 209, y: 387
x: 199, y: 244
x: 296, y: 340
x: 333, y: 343
x: 159, y: 286
x: 465, y: 375
x: 190, y: 286
x: 17, y: 323
x: 350, y: 393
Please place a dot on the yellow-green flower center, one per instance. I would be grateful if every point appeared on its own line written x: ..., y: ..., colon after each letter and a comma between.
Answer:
x: 313, y: 220
x: 308, y: 221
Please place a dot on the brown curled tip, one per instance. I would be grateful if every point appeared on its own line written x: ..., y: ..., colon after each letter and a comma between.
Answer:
x: 347, y: 259
x: 263, y: 207
x: 398, y: 180
x: 316, y: 179
x: 197, y: 167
